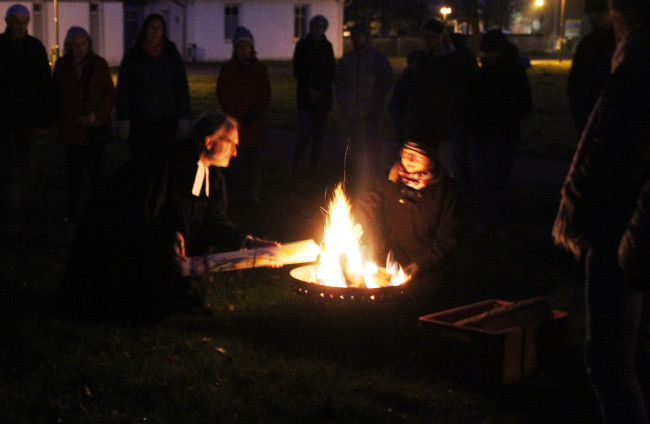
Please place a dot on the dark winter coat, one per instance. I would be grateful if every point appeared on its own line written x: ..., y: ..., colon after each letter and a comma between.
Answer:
x: 152, y: 88
x: 590, y: 70
x: 201, y: 219
x: 612, y: 161
x: 363, y: 80
x: 438, y: 94
x: 314, y: 66
x: 244, y: 92
x: 25, y: 83
x: 419, y: 227
x: 634, y: 250
x: 498, y: 99
x: 93, y: 92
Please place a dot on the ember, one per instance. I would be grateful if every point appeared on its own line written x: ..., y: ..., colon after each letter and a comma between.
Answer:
x: 341, y: 261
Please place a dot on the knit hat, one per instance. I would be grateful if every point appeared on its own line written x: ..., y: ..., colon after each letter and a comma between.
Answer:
x: 17, y: 9
x: 242, y: 34
x: 318, y: 19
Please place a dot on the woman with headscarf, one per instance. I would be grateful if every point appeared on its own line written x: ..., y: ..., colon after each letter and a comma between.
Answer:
x: 85, y: 97
x: 244, y: 92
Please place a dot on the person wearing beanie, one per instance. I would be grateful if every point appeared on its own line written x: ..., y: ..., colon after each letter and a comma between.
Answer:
x: 314, y: 68
x: 591, y: 64
x: 501, y: 98
x: 25, y: 109
x: 413, y: 214
x: 364, y: 78
x: 244, y: 92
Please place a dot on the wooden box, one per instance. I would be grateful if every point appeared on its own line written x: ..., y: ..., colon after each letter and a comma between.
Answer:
x: 498, y: 355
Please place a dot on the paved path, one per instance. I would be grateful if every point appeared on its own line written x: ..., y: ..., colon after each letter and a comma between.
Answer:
x: 528, y: 170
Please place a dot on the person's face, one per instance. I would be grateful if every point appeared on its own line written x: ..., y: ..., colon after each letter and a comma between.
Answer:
x: 359, y: 40
x: 414, y: 162
x: 432, y: 41
x: 155, y: 31
x: 618, y: 23
x: 244, y: 51
x: 79, y: 47
x: 318, y: 29
x: 221, y: 147
x: 18, y: 24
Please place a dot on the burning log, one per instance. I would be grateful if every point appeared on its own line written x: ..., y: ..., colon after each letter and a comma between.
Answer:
x: 522, y: 313
x: 352, y: 279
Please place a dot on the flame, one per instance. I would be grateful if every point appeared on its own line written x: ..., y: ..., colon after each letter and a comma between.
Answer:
x: 342, y: 243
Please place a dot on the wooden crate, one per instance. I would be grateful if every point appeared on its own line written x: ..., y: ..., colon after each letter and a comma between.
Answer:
x: 498, y: 355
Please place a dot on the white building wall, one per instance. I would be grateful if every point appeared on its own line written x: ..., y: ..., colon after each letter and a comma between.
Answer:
x: 112, y: 27
x: 270, y: 21
x: 78, y: 14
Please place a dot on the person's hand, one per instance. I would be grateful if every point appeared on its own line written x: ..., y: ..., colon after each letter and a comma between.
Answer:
x: 181, y: 262
x: 123, y: 129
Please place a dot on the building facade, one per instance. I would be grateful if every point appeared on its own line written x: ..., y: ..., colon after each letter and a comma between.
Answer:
x: 104, y: 21
x: 202, y: 29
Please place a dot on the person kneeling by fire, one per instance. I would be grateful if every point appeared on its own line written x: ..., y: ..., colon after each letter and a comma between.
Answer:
x: 413, y: 214
x: 131, y: 248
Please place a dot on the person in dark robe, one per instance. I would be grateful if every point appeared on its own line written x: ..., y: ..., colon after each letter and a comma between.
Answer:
x: 141, y: 226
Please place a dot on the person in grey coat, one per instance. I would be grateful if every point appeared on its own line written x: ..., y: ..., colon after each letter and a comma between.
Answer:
x: 364, y: 78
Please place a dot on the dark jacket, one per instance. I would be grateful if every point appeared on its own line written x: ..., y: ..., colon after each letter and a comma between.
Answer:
x: 612, y: 161
x: 314, y: 66
x: 202, y: 220
x: 439, y: 88
x: 93, y: 92
x: 152, y: 88
x: 244, y: 92
x: 634, y: 250
x: 499, y: 98
x: 590, y: 70
x: 416, y: 227
x: 25, y: 84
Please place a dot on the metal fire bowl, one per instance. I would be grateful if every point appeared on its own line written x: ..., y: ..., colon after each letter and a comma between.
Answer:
x: 305, y: 288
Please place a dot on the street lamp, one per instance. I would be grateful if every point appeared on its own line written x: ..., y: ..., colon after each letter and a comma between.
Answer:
x: 445, y: 11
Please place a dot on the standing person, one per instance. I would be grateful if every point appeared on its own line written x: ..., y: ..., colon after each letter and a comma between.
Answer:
x: 500, y: 98
x: 244, y: 92
x: 25, y: 102
x: 413, y: 214
x: 364, y: 78
x: 153, y: 98
x: 314, y: 68
x: 599, y: 196
x: 439, y: 89
x: 591, y: 63
x: 85, y: 97
x: 398, y: 104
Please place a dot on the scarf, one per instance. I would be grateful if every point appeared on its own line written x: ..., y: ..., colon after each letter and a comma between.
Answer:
x: 415, y: 180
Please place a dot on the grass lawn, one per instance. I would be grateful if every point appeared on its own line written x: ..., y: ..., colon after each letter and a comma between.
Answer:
x: 268, y: 355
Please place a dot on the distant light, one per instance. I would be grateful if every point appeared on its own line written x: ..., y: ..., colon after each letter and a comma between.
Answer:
x: 445, y: 11
x: 346, y: 33
x: 539, y: 3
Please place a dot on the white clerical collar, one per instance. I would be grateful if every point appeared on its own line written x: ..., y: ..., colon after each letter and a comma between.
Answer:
x: 202, y: 173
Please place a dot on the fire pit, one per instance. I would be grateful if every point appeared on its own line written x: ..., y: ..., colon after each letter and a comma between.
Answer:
x: 305, y: 284
x: 341, y: 272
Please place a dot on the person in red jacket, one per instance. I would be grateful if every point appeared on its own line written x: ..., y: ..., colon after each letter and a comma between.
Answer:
x: 85, y: 99
x: 244, y: 92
